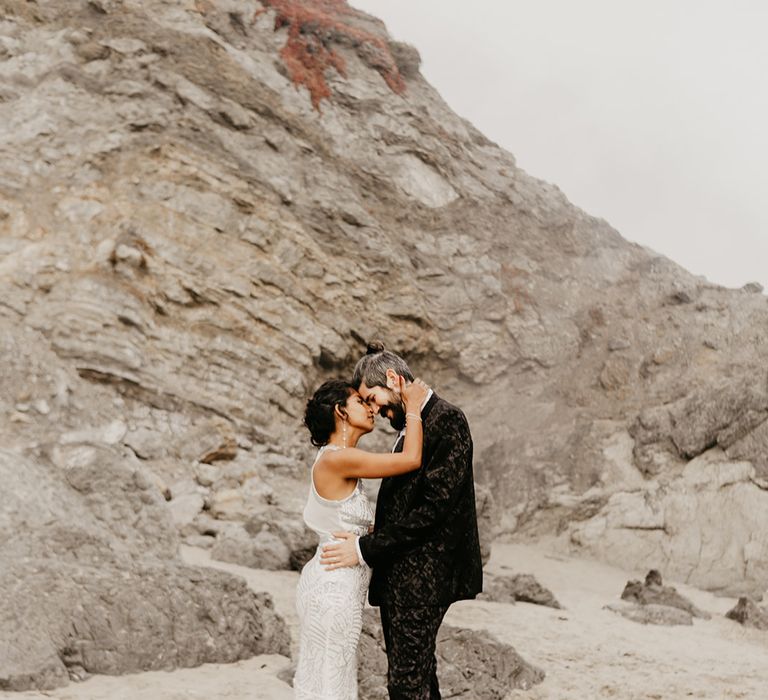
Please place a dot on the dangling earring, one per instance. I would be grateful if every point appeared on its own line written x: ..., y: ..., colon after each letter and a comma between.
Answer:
x: 344, y: 433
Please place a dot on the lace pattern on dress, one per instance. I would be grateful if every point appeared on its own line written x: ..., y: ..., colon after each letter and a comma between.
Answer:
x: 330, y: 607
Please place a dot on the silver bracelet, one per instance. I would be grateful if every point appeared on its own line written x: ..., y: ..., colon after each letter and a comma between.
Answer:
x: 413, y: 415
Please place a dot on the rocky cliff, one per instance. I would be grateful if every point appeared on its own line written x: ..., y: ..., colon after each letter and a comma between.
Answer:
x: 208, y: 206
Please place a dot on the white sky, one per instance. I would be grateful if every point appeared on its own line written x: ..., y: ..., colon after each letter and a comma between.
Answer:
x: 652, y: 114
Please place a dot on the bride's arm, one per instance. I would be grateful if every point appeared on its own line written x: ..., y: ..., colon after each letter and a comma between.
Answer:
x: 355, y: 463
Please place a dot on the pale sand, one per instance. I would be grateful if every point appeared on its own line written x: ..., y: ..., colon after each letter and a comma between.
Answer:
x: 586, y: 651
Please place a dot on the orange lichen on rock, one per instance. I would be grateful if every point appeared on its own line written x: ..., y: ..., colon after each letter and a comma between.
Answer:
x: 313, y: 27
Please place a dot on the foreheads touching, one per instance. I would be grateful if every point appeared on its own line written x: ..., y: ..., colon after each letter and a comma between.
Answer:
x: 335, y: 402
x: 329, y: 401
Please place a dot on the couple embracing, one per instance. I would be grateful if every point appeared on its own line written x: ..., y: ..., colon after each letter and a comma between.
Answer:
x: 420, y: 553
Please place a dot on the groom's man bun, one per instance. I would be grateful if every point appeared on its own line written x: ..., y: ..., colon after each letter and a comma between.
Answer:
x: 372, y: 367
x: 374, y: 346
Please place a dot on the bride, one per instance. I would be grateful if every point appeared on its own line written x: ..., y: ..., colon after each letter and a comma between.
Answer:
x: 330, y: 602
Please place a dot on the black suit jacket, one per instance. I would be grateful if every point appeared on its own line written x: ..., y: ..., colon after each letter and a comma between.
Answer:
x: 425, y: 548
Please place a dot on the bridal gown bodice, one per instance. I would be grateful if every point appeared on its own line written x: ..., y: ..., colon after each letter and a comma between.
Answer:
x: 330, y: 603
x: 325, y: 516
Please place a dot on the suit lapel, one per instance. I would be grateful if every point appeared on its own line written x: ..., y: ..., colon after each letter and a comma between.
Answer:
x: 388, y: 482
x: 430, y: 405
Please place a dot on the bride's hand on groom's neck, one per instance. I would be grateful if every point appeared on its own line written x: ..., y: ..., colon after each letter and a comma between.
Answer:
x: 413, y: 394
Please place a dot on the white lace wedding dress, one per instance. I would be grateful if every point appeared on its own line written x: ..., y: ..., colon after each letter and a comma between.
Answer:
x: 330, y: 603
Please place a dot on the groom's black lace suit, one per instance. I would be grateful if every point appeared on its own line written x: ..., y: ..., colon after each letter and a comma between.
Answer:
x: 425, y: 549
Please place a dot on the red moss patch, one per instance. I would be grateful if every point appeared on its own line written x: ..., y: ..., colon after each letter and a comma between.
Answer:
x: 314, y: 26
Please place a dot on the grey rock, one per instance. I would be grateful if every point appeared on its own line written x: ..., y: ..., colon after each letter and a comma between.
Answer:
x: 262, y: 551
x: 299, y: 557
x: 407, y: 58
x: 692, y: 525
x: 146, y: 443
x: 653, y: 592
x: 680, y: 297
x: 42, y: 407
x: 616, y: 373
x: 618, y: 344
x: 123, y: 620
x: 287, y: 673
x: 470, y: 664
x: 184, y: 487
x: 750, y: 442
x: 202, y: 541
x: 185, y: 508
x: 92, y: 582
x: 212, y: 441
x: 652, y: 614
x: 488, y: 519
x: 699, y: 422
x: 91, y: 51
x: 748, y: 613
x: 228, y: 504
x: 110, y: 434
x: 205, y: 524
x: 509, y: 588
x: 206, y: 474
x: 286, y: 526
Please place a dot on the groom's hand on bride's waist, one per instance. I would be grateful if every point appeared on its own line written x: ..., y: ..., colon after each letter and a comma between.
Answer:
x: 340, y: 554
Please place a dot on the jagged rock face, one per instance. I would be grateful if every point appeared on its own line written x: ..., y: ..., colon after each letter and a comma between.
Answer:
x: 701, y: 526
x: 61, y: 620
x: 191, y: 241
x: 91, y: 581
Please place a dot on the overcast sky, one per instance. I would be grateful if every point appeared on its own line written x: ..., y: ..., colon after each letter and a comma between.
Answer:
x: 652, y: 115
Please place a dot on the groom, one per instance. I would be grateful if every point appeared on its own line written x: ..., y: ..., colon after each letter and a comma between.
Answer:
x: 424, y: 550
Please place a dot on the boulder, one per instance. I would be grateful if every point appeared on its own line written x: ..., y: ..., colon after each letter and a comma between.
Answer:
x: 748, y: 613
x: 509, y: 588
x: 299, y: 557
x: 92, y: 582
x: 264, y: 550
x: 695, y: 526
x: 653, y: 592
x: 63, y: 619
x: 652, y: 614
x: 488, y: 519
x: 185, y: 508
x: 470, y: 664
x: 211, y: 441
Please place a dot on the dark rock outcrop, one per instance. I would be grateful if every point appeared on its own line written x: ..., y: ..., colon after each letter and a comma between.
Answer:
x: 748, y: 613
x: 653, y: 592
x: 470, y: 664
x: 91, y: 580
x: 509, y: 588
x: 68, y: 620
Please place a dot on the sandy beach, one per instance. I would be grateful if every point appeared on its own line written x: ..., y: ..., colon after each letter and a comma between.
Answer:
x: 586, y: 651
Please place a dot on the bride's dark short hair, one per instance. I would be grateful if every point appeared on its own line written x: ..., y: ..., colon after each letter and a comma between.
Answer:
x: 318, y: 416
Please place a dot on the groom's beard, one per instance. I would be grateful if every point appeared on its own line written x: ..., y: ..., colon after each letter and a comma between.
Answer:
x: 396, y: 414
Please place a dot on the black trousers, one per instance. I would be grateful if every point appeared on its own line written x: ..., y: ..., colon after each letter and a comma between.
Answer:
x: 410, y: 635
